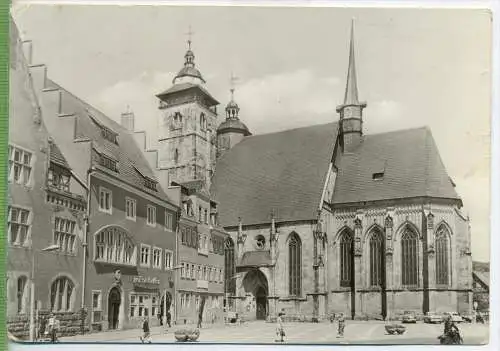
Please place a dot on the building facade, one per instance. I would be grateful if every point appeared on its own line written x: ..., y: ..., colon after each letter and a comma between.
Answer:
x: 46, y: 211
x: 325, y: 219
x: 130, y: 238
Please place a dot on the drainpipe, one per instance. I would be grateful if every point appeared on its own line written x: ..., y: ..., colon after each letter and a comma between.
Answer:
x: 85, y: 242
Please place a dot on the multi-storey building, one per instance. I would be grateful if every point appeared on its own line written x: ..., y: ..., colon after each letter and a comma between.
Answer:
x: 130, y: 240
x: 185, y: 158
x: 46, y: 211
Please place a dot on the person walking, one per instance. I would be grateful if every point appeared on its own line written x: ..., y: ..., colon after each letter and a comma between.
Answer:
x: 280, y: 330
x: 53, y: 325
x: 160, y: 318
x: 146, y: 333
x: 341, y: 326
x: 169, y: 318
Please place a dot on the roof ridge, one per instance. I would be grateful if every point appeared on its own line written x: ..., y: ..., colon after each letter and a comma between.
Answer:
x: 293, y: 129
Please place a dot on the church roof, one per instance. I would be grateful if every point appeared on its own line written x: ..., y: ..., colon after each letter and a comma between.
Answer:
x: 407, y: 163
x: 282, y: 171
x: 285, y: 172
x: 132, y: 165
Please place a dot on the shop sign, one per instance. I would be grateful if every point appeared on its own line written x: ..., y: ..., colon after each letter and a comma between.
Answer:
x: 145, y: 280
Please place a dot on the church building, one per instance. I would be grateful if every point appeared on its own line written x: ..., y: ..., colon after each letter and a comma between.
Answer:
x: 327, y: 219
x: 315, y: 220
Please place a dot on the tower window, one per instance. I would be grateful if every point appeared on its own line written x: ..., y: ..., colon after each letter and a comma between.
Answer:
x: 378, y: 176
x: 176, y: 156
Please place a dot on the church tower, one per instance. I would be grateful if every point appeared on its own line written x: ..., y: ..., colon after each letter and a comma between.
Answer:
x: 232, y: 130
x: 351, y: 111
x: 186, y: 131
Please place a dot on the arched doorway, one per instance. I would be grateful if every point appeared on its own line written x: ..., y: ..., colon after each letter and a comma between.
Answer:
x: 114, y: 301
x: 256, y: 288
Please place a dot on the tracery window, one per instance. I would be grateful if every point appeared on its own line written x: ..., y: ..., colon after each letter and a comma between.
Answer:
x: 442, y: 256
x: 112, y: 245
x: 376, y: 258
x: 294, y: 265
x: 346, y: 259
x: 230, y: 282
x: 61, y: 293
x: 409, y: 258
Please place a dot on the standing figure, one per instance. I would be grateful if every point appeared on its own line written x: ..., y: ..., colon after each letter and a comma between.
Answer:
x: 146, y: 336
x: 280, y: 330
x: 341, y: 326
x: 160, y: 318
x: 52, y: 327
x: 169, y: 317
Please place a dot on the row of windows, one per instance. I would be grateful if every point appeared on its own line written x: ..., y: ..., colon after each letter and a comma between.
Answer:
x: 106, y: 205
x: 188, y: 299
x: 203, y: 214
x: 140, y: 305
x: 154, y: 257
x: 200, y: 272
x: 409, y: 258
x: 177, y: 121
x: 61, y: 294
x: 19, y: 222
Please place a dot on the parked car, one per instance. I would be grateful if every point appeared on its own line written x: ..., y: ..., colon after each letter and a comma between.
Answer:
x: 409, y: 317
x: 433, y: 317
x: 455, y: 317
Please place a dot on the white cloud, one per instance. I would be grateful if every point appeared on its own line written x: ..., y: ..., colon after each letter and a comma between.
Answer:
x: 288, y: 100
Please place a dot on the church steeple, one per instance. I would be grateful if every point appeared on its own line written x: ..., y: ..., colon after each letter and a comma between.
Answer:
x: 189, y: 73
x: 351, y: 111
x: 232, y: 130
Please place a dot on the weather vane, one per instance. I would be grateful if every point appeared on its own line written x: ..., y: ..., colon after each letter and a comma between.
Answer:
x: 232, y: 81
x: 190, y: 35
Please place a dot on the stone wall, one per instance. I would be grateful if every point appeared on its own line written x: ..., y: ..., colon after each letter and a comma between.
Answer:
x: 70, y: 324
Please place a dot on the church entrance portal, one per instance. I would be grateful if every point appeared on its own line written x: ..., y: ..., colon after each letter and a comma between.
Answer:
x: 256, y: 289
x: 261, y: 304
x: 114, y: 301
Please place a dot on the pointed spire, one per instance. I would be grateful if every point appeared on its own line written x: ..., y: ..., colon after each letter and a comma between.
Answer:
x: 351, y: 89
x: 232, y: 108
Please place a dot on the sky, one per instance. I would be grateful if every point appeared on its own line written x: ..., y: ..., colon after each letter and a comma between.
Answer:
x: 415, y: 67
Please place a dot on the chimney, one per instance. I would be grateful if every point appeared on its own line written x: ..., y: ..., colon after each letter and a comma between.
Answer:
x: 127, y: 120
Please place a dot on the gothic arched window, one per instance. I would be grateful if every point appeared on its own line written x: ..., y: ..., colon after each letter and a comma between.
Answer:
x: 176, y: 155
x: 442, y: 256
x: 376, y: 258
x: 61, y: 293
x: 346, y: 259
x: 229, y: 270
x: 21, y: 294
x: 409, y: 258
x: 294, y: 265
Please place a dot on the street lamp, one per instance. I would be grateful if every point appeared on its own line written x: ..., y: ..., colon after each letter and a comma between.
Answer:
x: 32, y: 288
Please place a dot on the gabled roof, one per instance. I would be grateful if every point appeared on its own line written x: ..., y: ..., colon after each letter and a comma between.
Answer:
x: 56, y: 156
x: 133, y: 168
x: 409, y: 161
x: 283, y: 171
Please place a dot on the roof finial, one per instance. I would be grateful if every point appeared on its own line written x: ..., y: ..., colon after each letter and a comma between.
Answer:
x: 232, y: 81
x: 351, y: 89
x: 190, y: 35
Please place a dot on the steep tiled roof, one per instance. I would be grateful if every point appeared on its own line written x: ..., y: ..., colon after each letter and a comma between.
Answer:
x: 56, y: 156
x: 409, y: 161
x: 132, y: 165
x: 283, y: 171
